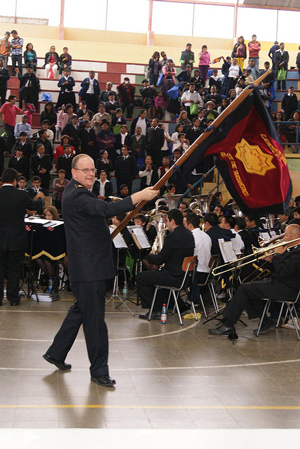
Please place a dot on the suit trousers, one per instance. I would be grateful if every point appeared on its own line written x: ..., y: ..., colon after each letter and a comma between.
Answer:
x: 249, y: 296
x: 89, y: 310
x: 146, y: 281
x: 11, y: 263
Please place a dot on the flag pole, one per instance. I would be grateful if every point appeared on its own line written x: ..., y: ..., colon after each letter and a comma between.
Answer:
x: 238, y: 100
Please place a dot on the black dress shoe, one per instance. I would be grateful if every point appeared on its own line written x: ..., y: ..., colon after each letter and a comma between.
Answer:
x: 222, y: 330
x: 265, y: 327
x: 104, y: 381
x: 154, y: 316
x: 60, y: 365
x: 15, y: 303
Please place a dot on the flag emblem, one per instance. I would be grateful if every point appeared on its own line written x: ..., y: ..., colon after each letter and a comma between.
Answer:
x: 254, y: 160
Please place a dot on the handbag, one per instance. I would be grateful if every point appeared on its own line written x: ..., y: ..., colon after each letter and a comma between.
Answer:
x: 160, y: 79
x: 173, y: 92
x: 194, y: 109
x: 281, y: 75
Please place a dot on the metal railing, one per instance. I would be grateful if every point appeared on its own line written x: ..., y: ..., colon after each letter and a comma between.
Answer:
x: 200, y: 184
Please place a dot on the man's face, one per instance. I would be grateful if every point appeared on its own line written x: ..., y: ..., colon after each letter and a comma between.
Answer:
x: 172, y: 191
x: 84, y: 173
x: 123, y: 129
x: 65, y: 50
x: 196, y: 123
x: 184, y: 221
x: 102, y: 109
x: 154, y: 123
x: 23, y: 138
x: 217, y: 210
x: 125, y: 151
x: 14, y: 35
x: 66, y: 73
x: 192, y: 88
x: 138, y: 130
x: 188, y: 47
x: 165, y: 162
x: 282, y: 47
x: 105, y: 126
x: 105, y: 155
x: 223, y: 223
x: 291, y: 90
x: 75, y: 121
x: 213, y: 89
x: 176, y: 155
x: 138, y: 222
x: 288, y: 236
x: 170, y: 224
x: 13, y: 100
x: 41, y: 149
x: 124, y: 191
x: 254, y: 38
x: 19, y: 153
x: 36, y: 184
x: 67, y: 150
x: 92, y: 75
x: 282, y: 218
x: 29, y: 70
x: 251, y: 63
x: 144, y: 114
x: 24, y: 119
x: 249, y: 224
x: 22, y: 183
x: 108, y: 86
x: 182, y: 207
x: 296, y: 215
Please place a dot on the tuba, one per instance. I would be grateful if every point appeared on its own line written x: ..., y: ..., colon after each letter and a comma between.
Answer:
x: 158, y: 220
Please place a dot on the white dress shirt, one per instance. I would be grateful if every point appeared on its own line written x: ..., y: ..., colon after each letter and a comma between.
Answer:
x: 202, y: 250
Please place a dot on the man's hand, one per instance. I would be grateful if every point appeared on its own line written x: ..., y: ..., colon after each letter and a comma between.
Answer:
x: 40, y: 195
x: 147, y: 194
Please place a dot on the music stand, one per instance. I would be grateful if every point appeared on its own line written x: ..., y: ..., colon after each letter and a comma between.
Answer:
x: 119, y: 243
x: 141, y: 240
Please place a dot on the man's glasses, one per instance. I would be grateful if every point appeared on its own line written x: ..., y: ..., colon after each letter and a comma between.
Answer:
x: 87, y: 170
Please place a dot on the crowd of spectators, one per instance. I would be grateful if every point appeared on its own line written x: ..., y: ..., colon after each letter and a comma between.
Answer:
x: 99, y: 127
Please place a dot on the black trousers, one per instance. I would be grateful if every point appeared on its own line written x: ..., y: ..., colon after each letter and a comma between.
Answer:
x: 16, y: 60
x: 10, y: 136
x: 2, y: 95
x: 249, y: 296
x: 92, y: 102
x: 89, y: 310
x: 11, y: 263
x: 146, y: 281
x: 129, y: 107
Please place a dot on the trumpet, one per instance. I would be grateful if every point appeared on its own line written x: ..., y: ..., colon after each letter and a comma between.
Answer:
x: 258, y: 253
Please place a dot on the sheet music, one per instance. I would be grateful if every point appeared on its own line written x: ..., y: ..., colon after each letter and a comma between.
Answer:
x: 227, y: 251
x: 265, y: 235
x: 42, y: 221
x: 140, y: 235
x: 118, y: 241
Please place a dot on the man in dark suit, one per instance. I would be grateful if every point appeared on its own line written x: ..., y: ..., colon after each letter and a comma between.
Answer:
x: 19, y: 163
x: 284, y: 283
x: 13, y: 205
x: 64, y: 162
x: 178, y: 244
x: 125, y: 170
x: 4, y: 77
x: 90, y: 266
x: 41, y: 165
x: 155, y: 142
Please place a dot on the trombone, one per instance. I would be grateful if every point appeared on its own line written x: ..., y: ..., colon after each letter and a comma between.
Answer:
x: 258, y: 253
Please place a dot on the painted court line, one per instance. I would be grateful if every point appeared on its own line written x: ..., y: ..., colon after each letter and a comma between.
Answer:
x: 168, y: 368
x: 154, y: 407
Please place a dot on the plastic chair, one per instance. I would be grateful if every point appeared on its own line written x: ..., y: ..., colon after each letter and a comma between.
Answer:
x: 291, y: 313
x: 188, y: 266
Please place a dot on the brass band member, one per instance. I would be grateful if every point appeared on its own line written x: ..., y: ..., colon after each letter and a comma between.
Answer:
x: 283, y: 283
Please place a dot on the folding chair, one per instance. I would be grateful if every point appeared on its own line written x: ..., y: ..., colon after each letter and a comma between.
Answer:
x: 291, y: 313
x: 188, y: 266
x: 210, y: 281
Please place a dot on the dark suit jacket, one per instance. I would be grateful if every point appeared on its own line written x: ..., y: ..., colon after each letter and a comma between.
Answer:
x: 38, y: 163
x: 13, y: 205
x: 4, y: 77
x: 155, y: 138
x: 134, y: 122
x: 65, y: 163
x: 215, y: 234
x: 278, y: 58
x: 108, y: 190
x: 125, y: 168
x: 177, y: 245
x: 88, y: 239
x: 20, y: 165
x: 127, y: 141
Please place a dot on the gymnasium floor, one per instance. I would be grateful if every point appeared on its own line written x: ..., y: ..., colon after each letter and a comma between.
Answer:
x: 168, y: 376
